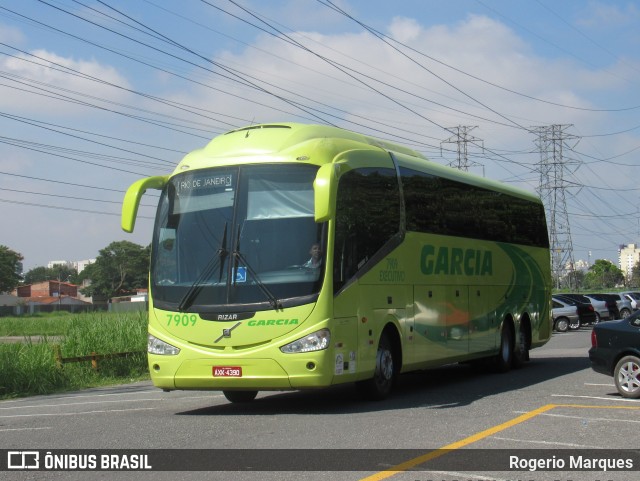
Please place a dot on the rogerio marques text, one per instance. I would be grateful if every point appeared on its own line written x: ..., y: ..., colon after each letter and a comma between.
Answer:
x: 577, y: 463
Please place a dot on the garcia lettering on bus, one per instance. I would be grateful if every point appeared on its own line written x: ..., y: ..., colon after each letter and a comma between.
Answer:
x: 271, y: 322
x: 455, y: 261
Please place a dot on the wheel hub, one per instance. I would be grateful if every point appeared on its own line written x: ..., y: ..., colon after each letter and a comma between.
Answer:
x: 630, y: 381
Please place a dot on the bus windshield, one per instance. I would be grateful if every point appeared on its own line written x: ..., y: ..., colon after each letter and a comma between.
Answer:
x: 241, y: 237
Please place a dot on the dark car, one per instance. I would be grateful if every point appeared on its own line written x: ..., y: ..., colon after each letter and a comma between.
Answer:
x: 586, y: 317
x: 615, y: 351
x: 586, y: 312
x: 603, y: 312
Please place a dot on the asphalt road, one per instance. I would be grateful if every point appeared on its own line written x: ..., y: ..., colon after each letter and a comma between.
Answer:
x: 555, y: 405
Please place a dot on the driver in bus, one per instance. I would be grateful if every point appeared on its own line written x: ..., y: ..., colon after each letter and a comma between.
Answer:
x: 316, y: 257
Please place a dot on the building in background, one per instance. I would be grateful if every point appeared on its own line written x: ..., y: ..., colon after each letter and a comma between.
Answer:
x: 47, y: 289
x: 79, y: 266
x: 48, y: 296
x: 628, y: 257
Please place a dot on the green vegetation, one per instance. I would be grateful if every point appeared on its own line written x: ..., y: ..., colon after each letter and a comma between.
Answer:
x: 9, y: 269
x: 30, y: 367
x: 120, y: 269
x: 603, y: 274
x: 55, y: 324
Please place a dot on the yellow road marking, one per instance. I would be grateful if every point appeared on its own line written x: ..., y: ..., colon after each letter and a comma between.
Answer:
x: 402, y: 467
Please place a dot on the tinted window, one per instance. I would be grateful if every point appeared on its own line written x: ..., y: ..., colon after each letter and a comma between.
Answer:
x: 367, y: 217
x: 443, y: 206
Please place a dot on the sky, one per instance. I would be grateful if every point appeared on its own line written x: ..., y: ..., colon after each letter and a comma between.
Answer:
x: 95, y: 95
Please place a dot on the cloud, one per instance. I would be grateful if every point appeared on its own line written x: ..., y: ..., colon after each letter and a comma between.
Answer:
x: 605, y: 15
x: 10, y: 35
x: 365, y: 67
x: 46, y: 76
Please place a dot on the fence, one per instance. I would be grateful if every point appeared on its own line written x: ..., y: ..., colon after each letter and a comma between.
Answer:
x: 93, y: 357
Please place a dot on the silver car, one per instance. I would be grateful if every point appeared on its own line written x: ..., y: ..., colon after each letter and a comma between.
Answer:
x: 564, y: 315
x: 624, y: 305
x: 634, y: 299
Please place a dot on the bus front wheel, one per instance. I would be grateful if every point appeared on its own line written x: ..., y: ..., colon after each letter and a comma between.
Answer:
x: 384, y: 376
x: 240, y: 396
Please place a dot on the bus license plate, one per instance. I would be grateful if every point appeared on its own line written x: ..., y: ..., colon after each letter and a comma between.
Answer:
x: 227, y: 371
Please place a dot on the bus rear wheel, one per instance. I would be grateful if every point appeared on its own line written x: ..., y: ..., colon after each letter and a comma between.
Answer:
x: 384, y: 376
x: 240, y: 396
x: 505, y: 356
x: 521, y: 350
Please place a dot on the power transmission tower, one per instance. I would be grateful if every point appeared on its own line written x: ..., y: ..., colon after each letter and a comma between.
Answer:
x: 551, y: 143
x: 461, y: 138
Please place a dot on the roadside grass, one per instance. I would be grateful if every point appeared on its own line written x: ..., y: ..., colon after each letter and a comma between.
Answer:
x: 53, y: 324
x: 30, y: 367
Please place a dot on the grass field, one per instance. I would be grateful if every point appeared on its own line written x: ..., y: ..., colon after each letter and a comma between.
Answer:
x: 30, y: 367
x: 37, y: 325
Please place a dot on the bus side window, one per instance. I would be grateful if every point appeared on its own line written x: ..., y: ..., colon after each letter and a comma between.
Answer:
x: 367, y: 216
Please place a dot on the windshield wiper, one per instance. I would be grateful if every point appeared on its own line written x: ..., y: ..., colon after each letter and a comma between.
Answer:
x: 273, y: 300
x: 218, y: 258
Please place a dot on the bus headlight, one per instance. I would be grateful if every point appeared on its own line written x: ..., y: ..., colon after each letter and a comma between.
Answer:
x: 157, y: 346
x: 317, y: 341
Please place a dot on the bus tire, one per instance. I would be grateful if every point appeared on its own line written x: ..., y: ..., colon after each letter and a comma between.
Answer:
x: 240, y: 396
x: 521, y: 351
x: 505, y: 355
x: 385, y: 374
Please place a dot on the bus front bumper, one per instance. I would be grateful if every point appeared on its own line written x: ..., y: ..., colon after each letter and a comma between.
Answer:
x: 251, y: 374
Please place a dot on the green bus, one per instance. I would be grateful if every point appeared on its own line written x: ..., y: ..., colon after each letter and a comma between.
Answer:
x: 291, y: 256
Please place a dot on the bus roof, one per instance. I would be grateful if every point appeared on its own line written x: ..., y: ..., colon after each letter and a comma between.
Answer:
x: 285, y: 141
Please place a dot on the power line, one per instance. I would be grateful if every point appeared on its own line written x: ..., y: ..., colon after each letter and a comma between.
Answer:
x: 68, y: 209
x: 62, y: 182
x: 59, y: 196
x: 487, y: 82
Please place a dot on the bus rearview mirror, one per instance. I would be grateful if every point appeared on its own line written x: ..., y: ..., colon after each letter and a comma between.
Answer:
x: 324, y: 189
x: 133, y: 196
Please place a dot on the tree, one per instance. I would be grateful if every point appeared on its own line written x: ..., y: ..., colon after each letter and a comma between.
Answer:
x: 579, y: 279
x: 9, y: 269
x: 41, y: 274
x: 603, y: 275
x: 634, y: 281
x: 119, y: 269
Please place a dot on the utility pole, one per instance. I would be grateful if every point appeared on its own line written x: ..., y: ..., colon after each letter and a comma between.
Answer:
x: 461, y: 138
x: 553, y: 165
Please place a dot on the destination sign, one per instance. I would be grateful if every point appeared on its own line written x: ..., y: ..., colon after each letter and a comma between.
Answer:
x: 211, y: 181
